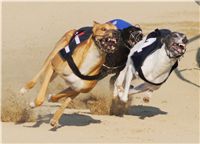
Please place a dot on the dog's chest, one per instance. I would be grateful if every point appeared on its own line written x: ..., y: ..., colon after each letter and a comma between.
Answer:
x: 157, y: 66
x: 92, y: 59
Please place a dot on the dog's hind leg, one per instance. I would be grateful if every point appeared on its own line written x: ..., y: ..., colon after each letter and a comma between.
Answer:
x: 142, y: 88
x: 41, y: 95
x: 59, y: 45
x: 138, y: 89
x: 32, y: 82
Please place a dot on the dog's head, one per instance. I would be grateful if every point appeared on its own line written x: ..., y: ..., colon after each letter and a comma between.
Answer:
x: 106, y: 36
x: 175, y: 44
x: 132, y: 35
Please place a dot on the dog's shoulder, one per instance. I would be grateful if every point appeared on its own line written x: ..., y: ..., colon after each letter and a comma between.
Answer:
x: 78, y: 38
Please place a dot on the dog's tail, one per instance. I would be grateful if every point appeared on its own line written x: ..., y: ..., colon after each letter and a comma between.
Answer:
x: 59, y: 45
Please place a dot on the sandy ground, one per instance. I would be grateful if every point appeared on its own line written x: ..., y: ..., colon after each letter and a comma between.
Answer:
x: 30, y: 31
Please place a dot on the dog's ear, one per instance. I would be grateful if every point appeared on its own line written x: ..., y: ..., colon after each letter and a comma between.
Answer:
x: 162, y: 40
x: 138, y: 26
x: 165, y: 39
x: 95, y: 26
x: 95, y: 23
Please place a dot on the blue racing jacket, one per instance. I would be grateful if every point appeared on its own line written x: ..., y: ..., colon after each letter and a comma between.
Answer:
x: 120, y: 24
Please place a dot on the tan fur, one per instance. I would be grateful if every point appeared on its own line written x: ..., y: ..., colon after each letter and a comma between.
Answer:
x: 55, y: 65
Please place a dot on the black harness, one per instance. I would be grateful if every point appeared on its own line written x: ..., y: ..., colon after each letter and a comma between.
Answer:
x: 66, y: 53
x: 138, y: 58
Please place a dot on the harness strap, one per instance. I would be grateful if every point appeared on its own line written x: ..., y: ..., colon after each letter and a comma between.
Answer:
x: 77, y: 72
x: 140, y: 73
x: 80, y: 35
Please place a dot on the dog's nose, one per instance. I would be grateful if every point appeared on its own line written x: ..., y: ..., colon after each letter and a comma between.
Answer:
x: 185, y: 40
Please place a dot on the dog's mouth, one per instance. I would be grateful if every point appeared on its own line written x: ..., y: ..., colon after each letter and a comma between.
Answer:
x: 177, y: 49
x: 108, y: 43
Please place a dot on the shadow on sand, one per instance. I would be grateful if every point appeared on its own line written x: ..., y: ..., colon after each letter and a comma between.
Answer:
x: 66, y: 120
x: 145, y: 111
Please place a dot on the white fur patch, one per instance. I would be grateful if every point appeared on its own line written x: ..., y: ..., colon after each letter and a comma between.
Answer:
x: 32, y: 104
x: 146, y: 43
x: 23, y: 91
x: 49, y: 97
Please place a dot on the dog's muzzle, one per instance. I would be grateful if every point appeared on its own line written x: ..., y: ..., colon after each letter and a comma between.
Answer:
x: 109, y: 43
x: 176, y: 50
x: 135, y: 37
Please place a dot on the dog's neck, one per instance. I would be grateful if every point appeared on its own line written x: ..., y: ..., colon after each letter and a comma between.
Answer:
x: 157, y: 66
x: 93, y: 57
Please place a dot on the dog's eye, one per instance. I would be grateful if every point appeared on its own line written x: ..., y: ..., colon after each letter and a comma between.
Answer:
x: 103, y: 29
x: 175, y: 35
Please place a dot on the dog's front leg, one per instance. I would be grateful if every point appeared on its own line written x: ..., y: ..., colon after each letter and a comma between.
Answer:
x: 59, y: 112
x: 118, y: 88
x: 118, y: 107
x: 128, y: 78
x: 70, y: 94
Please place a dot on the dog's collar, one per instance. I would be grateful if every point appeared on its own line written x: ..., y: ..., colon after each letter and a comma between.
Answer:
x: 112, y: 69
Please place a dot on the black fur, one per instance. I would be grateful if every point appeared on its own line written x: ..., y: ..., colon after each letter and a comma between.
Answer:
x: 116, y: 61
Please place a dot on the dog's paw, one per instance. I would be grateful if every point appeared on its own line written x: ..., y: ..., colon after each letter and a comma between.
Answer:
x: 120, y: 91
x: 53, y: 123
x: 32, y: 105
x: 123, y: 98
x: 120, y: 88
x: 23, y: 91
x: 49, y: 97
x: 118, y: 107
x: 120, y: 94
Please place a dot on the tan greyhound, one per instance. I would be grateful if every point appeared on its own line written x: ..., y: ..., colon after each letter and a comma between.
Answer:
x: 88, y: 56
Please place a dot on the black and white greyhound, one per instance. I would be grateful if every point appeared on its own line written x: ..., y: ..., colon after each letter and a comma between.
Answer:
x: 151, y: 60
